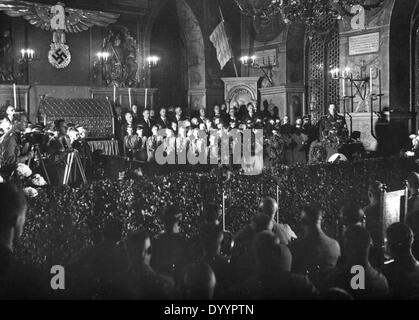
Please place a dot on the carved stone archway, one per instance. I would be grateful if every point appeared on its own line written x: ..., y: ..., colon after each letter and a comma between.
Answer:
x: 241, y: 90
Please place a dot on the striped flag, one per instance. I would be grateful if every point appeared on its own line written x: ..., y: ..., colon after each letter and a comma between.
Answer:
x: 220, y: 41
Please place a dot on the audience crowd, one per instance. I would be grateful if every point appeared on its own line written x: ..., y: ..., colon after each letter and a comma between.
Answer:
x: 265, y: 260
x: 284, y: 142
x: 169, y: 130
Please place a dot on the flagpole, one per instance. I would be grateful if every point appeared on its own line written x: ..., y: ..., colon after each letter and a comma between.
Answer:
x: 235, y: 68
x: 234, y: 61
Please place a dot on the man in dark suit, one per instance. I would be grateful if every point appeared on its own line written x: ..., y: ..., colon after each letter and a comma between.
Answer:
x: 251, y: 114
x: 178, y: 116
x: 129, y: 122
x: 315, y: 254
x: 389, y: 137
x: 162, y: 120
x: 232, y: 116
x: 356, y: 248
x: 147, y: 123
x: 403, y: 272
x: 332, y: 122
x: 272, y: 278
x: 217, y: 113
x: 286, y: 127
x: 202, y: 117
x: 143, y: 282
x: 12, y: 153
x: 135, y: 114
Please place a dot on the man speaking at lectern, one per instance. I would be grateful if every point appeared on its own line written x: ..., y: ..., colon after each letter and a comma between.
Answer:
x: 332, y: 123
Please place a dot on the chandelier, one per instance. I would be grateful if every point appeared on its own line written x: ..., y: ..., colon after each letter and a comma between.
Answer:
x: 307, y: 12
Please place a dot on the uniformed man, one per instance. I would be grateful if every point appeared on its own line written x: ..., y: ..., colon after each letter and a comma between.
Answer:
x: 11, y: 149
x: 332, y: 122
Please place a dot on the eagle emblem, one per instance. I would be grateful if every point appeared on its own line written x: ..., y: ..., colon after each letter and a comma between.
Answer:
x: 60, y: 20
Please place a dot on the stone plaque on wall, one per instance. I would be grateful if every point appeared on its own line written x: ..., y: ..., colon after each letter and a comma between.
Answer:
x: 364, y: 44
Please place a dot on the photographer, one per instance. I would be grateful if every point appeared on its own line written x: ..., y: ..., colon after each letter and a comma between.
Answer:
x: 78, y: 142
x: 12, y: 152
x: 58, y: 148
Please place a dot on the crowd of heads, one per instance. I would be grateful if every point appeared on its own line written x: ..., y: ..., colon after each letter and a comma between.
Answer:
x: 217, y: 118
x: 255, y: 263
x: 141, y: 133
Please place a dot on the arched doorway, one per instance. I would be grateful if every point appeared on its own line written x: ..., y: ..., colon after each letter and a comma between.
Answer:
x: 174, y: 32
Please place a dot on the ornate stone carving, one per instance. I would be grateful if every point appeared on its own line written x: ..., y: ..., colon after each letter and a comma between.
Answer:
x: 121, y: 69
x: 242, y: 95
x: 267, y: 29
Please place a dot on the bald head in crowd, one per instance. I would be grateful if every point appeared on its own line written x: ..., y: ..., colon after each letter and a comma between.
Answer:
x: 270, y: 254
x: 357, y: 244
x: 199, y: 282
x: 400, y: 239
x: 352, y: 214
x: 311, y: 215
x: 268, y: 207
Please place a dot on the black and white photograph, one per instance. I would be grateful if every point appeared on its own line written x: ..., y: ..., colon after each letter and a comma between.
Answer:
x: 209, y: 154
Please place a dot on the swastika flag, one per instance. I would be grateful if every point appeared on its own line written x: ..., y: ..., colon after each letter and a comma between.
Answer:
x: 220, y: 41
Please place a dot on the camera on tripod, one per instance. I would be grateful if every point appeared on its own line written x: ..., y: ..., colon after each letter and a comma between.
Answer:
x: 37, y: 141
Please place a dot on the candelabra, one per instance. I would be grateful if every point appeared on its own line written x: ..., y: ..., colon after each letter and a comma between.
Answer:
x: 153, y: 61
x: 27, y: 56
x: 266, y: 66
x: 359, y: 82
x: 103, y: 58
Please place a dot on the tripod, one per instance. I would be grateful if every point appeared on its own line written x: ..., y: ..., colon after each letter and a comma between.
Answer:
x: 38, y: 155
x: 72, y: 166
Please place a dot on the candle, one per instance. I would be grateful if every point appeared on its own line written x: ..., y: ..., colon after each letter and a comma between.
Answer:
x: 45, y: 120
x: 129, y: 97
x: 14, y: 95
x: 145, y: 98
x: 277, y: 201
x: 114, y: 94
x: 371, y: 81
x: 379, y: 80
x: 343, y: 87
x: 223, y: 211
x: 23, y: 53
x: 347, y: 72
